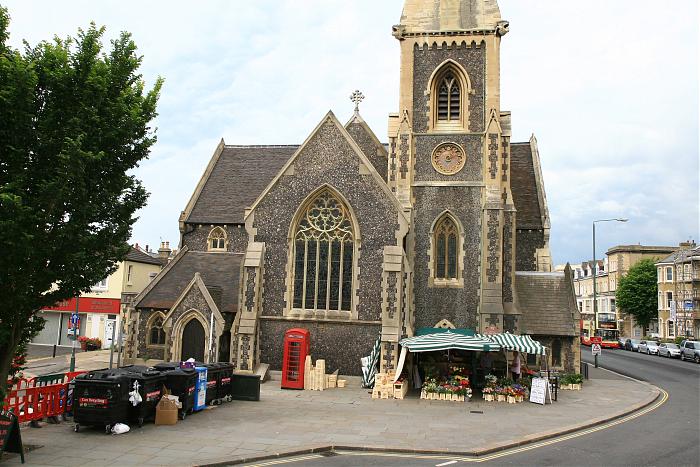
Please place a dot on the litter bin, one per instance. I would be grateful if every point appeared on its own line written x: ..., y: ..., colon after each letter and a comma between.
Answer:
x: 149, y: 382
x: 224, y: 382
x: 245, y: 387
x: 213, y: 370
x: 182, y: 382
x: 101, y: 397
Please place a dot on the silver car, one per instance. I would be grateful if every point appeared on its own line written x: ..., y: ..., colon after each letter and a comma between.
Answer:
x: 649, y: 347
x: 669, y: 349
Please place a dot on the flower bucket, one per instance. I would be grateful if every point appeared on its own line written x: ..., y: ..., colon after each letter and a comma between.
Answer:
x: 423, y: 395
x: 488, y: 397
x: 511, y: 399
x: 576, y: 387
x: 443, y: 396
x: 519, y: 398
x: 501, y: 397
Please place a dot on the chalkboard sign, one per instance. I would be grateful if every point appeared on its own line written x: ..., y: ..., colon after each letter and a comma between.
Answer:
x: 539, y: 391
x: 10, y: 438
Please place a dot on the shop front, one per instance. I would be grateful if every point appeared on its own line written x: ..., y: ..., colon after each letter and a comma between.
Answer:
x: 98, y: 316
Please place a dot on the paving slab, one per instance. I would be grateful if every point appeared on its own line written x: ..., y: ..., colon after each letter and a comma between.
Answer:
x: 287, y: 421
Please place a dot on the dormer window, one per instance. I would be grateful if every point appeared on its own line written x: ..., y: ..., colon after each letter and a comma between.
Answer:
x: 217, y: 239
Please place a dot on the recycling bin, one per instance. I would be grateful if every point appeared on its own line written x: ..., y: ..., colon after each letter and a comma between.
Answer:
x: 213, y: 370
x: 101, y: 397
x: 182, y: 382
x: 149, y: 383
x: 200, y: 390
x: 224, y: 382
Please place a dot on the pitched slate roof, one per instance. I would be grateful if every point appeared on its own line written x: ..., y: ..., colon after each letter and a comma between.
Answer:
x: 680, y: 256
x: 524, y: 186
x: 140, y: 257
x: 239, y: 175
x: 547, y: 303
x: 219, y: 271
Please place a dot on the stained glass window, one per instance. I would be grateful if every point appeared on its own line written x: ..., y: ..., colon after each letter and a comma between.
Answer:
x: 448, y: 107
x: 446, y: 253
x: 323, y: 256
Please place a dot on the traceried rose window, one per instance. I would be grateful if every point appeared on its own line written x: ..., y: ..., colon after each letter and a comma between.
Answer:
x: 323, y: 256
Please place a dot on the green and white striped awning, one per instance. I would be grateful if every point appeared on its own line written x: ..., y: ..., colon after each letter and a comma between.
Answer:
x: 449, y: 340
x: 524, y: 343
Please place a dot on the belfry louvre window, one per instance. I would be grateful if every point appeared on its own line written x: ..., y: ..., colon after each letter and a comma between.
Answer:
x: 448, y: 107
x: 446, y: 235
x: 323, y: 255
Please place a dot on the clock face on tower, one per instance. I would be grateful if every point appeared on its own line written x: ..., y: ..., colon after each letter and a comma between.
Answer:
x: 448, y: 158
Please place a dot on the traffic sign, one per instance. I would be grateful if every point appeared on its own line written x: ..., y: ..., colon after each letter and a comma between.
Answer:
x: 74, y: 318
x: 595, y: 349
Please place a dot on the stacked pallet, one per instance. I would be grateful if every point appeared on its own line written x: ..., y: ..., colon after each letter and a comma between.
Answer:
x: 315, y: 377
x: 383, y: 386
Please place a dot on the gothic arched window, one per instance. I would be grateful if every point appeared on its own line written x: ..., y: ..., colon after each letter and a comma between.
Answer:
x: 217, y: 239
x: 156, y: 334
x: 448, y: 108
x: 324, y: 248
x: 446, y: 255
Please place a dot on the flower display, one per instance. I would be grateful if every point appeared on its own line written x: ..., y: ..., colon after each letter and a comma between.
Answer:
x: 455, y: 383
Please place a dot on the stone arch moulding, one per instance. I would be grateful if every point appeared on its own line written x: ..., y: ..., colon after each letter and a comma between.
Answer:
x: 178, y: 328
x: 433, y: 281
x: 431, y: 93
x: 218, y: 233
x: 289, y: 309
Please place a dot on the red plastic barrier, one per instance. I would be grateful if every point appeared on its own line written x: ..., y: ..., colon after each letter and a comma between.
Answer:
x: 29, y: 400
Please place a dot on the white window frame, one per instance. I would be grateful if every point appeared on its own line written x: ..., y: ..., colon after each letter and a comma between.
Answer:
x: 129, y: 274
x: 101, y: 285
x: 669, y: 299
x: 669, y: 270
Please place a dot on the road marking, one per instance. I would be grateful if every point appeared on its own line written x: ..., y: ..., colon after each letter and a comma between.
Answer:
x: 445, y: 463
x: 287, y: 461
x: 454, y: 459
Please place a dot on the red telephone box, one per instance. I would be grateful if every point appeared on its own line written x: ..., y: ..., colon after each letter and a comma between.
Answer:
x: 296, y: 348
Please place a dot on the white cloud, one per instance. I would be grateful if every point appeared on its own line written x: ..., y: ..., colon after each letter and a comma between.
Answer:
x: 609, y: 88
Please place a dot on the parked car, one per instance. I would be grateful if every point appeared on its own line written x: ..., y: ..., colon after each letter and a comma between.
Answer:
x: 669, y: 349
x: 649, y: 347
x: 621, y: 342
x: 690, y: 350
x: 632, y: 345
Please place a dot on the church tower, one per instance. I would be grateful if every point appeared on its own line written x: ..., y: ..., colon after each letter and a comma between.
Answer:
x: 449, y: 164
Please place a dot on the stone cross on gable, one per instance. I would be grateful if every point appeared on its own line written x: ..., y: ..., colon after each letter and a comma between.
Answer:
x: 357, y: 97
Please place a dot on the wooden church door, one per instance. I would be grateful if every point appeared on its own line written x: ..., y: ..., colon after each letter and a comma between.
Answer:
x: 193, y: 341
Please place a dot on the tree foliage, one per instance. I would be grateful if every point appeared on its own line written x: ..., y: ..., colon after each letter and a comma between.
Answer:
x: 74, y: 120
x: 636, y: 293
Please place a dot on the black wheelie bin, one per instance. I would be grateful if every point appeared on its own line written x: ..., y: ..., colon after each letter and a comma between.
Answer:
x: 181, y: 383
x: 224, y: 382
x: 101, y: 397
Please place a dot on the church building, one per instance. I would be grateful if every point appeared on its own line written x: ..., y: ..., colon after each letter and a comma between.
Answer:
x: 446, y: 225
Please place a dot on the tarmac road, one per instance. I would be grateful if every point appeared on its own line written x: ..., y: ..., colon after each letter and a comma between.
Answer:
x: 668, y: 435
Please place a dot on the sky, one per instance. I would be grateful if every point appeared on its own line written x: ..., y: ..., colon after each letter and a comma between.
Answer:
x: 608, y: 87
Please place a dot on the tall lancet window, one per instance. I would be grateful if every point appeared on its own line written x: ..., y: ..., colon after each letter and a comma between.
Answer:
x: 324, y: 248
x: 446, y: 254
x: 448, y: 108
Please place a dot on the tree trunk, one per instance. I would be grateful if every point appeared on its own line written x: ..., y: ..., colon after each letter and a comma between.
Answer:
x: 7, y: 354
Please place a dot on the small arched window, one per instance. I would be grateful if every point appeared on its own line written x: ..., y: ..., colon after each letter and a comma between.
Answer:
x: 156, y: 334
x: 446, y: 248
x: 449, y: 97
x: 217, y: 239
x: 324, y: 248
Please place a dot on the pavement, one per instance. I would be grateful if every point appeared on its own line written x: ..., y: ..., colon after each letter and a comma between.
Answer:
x: 285, y: 421
x: 40, y: 361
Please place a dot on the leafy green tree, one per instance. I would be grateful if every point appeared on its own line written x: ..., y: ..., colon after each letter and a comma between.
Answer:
x: 74, y: 120
x: 636, y: 293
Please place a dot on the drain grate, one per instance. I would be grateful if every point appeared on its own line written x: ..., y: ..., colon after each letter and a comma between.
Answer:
x: 476, y: 411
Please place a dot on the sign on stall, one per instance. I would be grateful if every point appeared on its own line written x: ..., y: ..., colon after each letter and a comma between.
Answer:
x: 540, y: 391
x: 595, y: 349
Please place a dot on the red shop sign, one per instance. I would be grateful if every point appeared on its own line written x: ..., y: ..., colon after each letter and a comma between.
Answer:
x: 88, y: 305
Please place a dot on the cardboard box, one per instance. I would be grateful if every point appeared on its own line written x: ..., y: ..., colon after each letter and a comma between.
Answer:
x: 166, y: 410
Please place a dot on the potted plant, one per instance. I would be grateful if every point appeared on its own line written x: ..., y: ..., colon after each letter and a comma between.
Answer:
x: 83, y: 340
x: 93, y: 343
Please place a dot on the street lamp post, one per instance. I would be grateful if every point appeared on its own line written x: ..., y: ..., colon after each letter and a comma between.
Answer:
x: 595, y: 286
